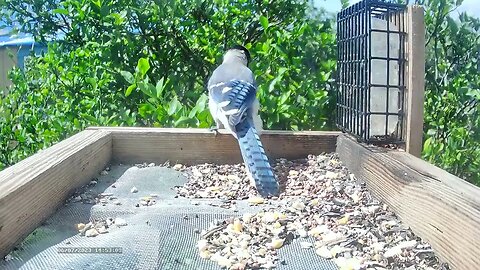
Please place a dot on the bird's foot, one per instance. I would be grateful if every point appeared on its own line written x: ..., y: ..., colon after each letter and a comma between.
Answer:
x: 214, y: 129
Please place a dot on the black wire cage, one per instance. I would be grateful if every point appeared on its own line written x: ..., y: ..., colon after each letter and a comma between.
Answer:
x: 371, y: 71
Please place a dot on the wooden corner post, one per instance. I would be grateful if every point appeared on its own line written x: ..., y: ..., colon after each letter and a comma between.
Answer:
x: 414, y: 95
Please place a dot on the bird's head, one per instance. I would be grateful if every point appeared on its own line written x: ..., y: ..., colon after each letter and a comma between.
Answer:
x: 237, y: 53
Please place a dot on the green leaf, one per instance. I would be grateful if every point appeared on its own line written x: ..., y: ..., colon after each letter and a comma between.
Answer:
x: 152, y: 90
x: 127, y: 76
x: 173, y: 106
x: 475, y: 93
x: 160, y: 87
x: 200, y: 106
x: 264, y: 22
x: 143, y: 66
x: 119, y: 18
x: 130, y: 89
x: 91, y: 81
x: 60, y: 11
x: 97, y: 3
x: 76, y: 123
x: 183, y: 121
x: 426, y: 145
x: 284, y: 97
x: 193, y: 112
x: 301, y: 100
x: 452, y: 24
x: 441, y: 147
x: 145, y: 109
x: 148, y: 89
x: 89, y: 118
x: 202, y: 102
x: 280, y: 50
x: 281, y: 71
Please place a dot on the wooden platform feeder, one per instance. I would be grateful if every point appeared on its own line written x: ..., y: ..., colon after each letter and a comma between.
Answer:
x: 439, y: 207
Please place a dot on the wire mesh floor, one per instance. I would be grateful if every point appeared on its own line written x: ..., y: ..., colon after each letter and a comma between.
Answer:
x: 160, y: 236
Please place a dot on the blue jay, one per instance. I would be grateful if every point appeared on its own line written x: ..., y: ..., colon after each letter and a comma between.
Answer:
x: 233, y: 104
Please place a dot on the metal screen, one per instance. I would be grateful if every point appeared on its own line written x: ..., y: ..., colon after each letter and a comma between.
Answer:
x: 160, y: 236
x: 371, y: 71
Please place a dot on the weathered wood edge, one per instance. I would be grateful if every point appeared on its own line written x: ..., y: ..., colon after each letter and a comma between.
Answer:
x: 415, y: 79
x: 33, y: 189
x: 206, y: 131
x: 196, y: 146
x: 439, y: 207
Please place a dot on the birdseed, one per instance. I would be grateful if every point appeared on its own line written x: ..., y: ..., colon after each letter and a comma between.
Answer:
x: 321, y: 201
x: 322, y: 205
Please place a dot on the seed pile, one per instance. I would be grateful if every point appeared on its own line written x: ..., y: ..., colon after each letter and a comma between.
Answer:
x: 322, y: 206
x: 94, y: 228
x: 251, y: 240
x: 227, y: 182
x: 87, y: 196
x: 147, y: 200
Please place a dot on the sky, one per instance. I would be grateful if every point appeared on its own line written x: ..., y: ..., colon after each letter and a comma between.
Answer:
x: 472, y: 7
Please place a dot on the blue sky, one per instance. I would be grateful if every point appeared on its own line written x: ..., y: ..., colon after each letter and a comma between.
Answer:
x: 472, y: 7
x: 330, y: 5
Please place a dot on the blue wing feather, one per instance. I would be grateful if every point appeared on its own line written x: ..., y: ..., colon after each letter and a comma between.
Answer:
x: 240, y: 97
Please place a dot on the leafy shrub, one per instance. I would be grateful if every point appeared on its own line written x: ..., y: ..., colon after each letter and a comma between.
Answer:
x: 452, y: 105
x: 147, y: 63
x: 55, y: 97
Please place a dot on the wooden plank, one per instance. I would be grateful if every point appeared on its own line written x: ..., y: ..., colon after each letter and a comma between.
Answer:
x: 196, y: 146
x: 33, y: 189
x: 439, y: 207
x: 415, y: 80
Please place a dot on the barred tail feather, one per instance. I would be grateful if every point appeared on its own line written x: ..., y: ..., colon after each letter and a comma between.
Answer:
x: 255, y: 158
